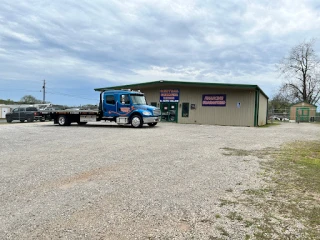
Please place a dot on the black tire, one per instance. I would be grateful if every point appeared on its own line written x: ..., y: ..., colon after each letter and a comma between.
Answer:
x: 136, y: 121
x: 63, y: 120
x: 9, y: 120
x: 22, y: 121
x: 82, y: 123
x: 42, y: 120
x: 152, y: 124
x: 30, y: 119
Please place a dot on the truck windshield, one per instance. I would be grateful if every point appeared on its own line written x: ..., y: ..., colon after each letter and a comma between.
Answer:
x: 138, y: 99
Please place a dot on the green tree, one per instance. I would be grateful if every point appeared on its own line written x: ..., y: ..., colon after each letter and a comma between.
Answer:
x: 279, y: 104
x: 30, y: 99
x: 301, y: 70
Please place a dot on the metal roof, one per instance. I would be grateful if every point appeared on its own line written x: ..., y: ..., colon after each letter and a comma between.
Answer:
x: 181, y: 83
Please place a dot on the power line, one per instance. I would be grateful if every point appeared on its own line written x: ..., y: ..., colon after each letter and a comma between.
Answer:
x: 14, y: 89
x: 16, y: 80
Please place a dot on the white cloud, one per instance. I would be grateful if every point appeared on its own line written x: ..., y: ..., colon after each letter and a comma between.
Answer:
x: 145, y: 40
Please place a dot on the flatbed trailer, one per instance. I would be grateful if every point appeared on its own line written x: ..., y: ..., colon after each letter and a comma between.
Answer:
x: 66, y: 117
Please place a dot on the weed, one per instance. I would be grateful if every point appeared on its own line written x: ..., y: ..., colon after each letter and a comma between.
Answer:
x: 248, y: 223
x: 234, y: 216
x: 224, y: 202
x: 223, y: 231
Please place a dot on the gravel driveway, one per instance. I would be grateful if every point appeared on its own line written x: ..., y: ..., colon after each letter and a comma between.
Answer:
x: 104, y: 181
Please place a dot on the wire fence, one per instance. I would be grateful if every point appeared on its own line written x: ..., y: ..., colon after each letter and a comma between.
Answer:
x: 284, y: 115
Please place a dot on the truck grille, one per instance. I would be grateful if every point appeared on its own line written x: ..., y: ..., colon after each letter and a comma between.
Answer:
x: 156, y: 112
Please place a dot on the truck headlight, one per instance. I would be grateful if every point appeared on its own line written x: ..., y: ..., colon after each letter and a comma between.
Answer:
x: 146, y: 113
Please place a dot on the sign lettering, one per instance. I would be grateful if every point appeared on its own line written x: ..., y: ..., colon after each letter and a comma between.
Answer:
x: 214, y: 100
x: 169, y: 95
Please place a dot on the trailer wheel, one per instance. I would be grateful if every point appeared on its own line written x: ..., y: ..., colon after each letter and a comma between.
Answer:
x: 136, y: 121
x: 63, y: 120
x: 22, y: 121
x: 152, y: 124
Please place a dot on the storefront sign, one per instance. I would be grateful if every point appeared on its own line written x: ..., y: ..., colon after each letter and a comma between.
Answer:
x: 169, y: 95
x: 214, y: 100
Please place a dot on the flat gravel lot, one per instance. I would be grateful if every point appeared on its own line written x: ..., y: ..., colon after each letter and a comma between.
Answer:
x: 104, y: 181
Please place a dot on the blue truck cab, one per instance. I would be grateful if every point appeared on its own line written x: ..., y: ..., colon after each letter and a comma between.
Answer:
x: 127, y: 107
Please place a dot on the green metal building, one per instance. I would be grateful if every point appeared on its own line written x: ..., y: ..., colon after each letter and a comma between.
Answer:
x: 205, y: 103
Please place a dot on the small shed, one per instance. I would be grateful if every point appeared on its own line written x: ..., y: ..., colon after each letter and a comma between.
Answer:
x: 303, y: 112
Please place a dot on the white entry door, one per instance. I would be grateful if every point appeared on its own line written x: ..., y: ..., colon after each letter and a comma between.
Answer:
x: 4, y: 112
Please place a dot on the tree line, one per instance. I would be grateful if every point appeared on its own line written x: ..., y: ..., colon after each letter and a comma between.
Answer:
x: 29, y: 99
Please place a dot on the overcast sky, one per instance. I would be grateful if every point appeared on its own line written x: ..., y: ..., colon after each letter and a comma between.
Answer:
x: 81, y: 45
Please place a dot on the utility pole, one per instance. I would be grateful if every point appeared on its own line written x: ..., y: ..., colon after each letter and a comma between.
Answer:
x: 44, y: 91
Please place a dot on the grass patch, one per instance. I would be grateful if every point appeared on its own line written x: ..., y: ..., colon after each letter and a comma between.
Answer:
x: 236, y: 152
x: 234, y: 216
x: 225, y: 202
x: 293, y: 196
x: 223, y: 231
x: 302, y: 159
x: 240, y: 152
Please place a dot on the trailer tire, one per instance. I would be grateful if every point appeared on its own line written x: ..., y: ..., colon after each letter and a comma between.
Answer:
x: 22, y: 121
x: 63, y: 120
x: 136, y: 121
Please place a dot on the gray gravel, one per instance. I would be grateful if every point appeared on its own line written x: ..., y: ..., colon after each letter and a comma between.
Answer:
x: 104, y: 181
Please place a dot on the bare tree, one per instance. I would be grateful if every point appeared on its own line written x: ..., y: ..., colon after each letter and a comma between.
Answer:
x: 301, y: 70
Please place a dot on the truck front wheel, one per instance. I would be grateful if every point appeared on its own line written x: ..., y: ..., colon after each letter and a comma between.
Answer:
x: 136, y: 121
x: 63, y: 120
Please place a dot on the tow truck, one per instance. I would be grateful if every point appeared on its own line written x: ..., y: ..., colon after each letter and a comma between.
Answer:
x: 121, y: 106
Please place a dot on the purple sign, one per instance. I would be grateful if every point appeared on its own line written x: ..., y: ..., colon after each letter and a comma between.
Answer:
x: 169, y: 95
x: 214, y: 100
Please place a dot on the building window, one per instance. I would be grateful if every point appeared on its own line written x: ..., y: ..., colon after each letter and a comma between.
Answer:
x: 185, y: 109
x: 110, y: 100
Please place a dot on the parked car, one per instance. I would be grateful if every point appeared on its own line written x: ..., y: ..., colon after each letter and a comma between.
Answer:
x: 24, y: 113
x: 275, y: 118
